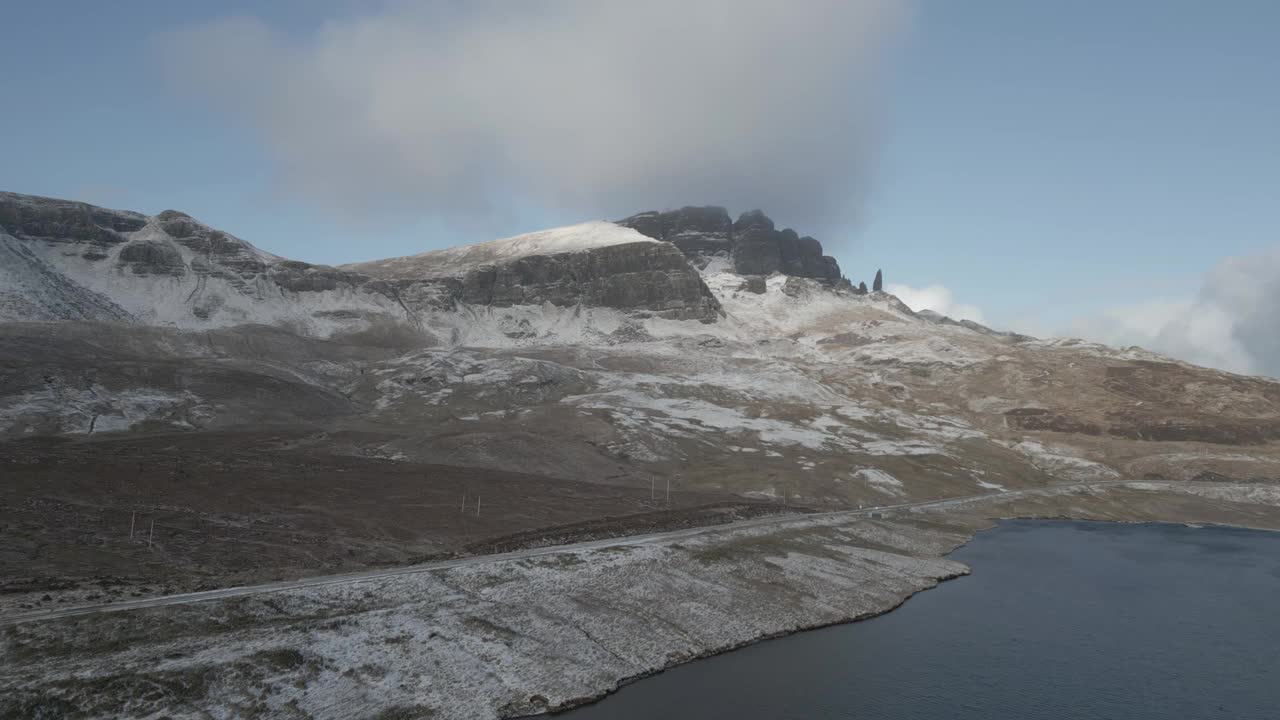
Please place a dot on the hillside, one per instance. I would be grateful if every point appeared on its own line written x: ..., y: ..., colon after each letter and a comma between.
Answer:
x: 650, y: 417
x: 597, y: 361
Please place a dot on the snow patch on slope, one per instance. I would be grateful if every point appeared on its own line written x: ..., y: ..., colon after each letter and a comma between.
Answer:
x: 1257, y: 495
x: 880, y: 481
x: 91, y: 410
x: 693, y: 418
x: 455, y: 261
x: 876, y: 329
x: 529, y: 325
x: 32, y: 289
x: 71, y: 281
x: 1087, y: 347
x: 1062, y: 460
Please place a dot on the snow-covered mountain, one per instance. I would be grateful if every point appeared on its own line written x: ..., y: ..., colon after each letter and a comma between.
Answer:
x: 727, y: 354
x: 71, y: 261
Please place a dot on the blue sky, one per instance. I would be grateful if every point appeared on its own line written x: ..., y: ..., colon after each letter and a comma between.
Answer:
x: 1052, y: 158
x: 1042, y: 161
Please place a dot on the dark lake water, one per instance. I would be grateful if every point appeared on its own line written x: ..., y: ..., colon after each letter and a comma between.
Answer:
x: 1058, y: 620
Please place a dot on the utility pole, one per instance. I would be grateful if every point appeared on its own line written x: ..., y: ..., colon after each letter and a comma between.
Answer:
x: 151, y: 536
x: 464, y: 504
x: 477, y: 506
x: 133, y: 518
x: 652, y: 482
x: 668, y: 491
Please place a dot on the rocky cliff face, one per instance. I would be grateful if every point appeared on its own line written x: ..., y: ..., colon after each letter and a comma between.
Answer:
x: 576, y: 331
x: 73, y: 261
x: 66, y: 260
x: 752, y: 243
x: 594, y: 264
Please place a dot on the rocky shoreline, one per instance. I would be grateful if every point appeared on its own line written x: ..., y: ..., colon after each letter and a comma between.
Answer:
x: 519, y: 637
x: 579, y: 702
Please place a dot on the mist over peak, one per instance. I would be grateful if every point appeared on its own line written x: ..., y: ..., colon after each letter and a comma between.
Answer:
x: 595, y: 108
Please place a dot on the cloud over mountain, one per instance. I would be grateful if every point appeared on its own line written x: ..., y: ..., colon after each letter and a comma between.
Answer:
x: 596, y: 107
x: 1231, y: 324
x: 937, y: 298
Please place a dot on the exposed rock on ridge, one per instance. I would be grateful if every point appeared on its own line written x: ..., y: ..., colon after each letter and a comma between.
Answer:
x: 753, y: 244
x: 73, y: 261
x: 595, y: 264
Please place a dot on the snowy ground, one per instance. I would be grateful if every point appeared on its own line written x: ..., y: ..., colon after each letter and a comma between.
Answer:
x: 515, y: 637
x: 457, y: 260
x: 803, y: 394
x: 498, y: 640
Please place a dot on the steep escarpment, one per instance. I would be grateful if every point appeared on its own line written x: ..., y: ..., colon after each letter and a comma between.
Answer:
x: 73, y: 261
x: 595, y: 264
x: 752, y: 243
x: 629, y: 362
x: 65, y: 260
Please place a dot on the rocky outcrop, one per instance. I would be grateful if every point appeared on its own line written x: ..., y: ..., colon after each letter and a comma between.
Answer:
x: 752, y: 243
x: 611, y: 268
x: 649, y: 278
x: 150, y: 257
x: 697, y: 231
x: 28, y: 217
x: 73, y: 261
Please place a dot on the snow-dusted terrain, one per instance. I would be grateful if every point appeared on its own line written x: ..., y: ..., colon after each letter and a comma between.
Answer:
x: 459, y: 260
x: 580, y: 361
x: 170, y: 272
x: 513, y: 637
x: 69, y: 261
x: 628, y: 360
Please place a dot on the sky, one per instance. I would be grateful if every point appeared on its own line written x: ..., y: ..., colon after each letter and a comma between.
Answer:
x: 1108, y: 170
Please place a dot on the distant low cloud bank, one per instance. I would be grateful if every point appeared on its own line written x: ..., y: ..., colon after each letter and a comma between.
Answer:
x: 602, y: 108
x: 1232, y: 324
x: 937, y: 298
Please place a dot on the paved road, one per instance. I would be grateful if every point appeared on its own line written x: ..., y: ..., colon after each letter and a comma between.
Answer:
x: 310, y: 582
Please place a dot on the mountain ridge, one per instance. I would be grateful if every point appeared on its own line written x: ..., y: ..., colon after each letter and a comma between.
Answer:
x: 320, y: 420
x: 631, y: 362
x: 72, y: 260
x: 752, y: 244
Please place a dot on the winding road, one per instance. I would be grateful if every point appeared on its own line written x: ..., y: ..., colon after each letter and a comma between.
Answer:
x: 356, y: 577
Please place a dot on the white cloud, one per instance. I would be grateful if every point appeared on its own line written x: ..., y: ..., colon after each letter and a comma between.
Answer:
x: 598, y: 107
x: 936, y: 298
x: 1232, y: 324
